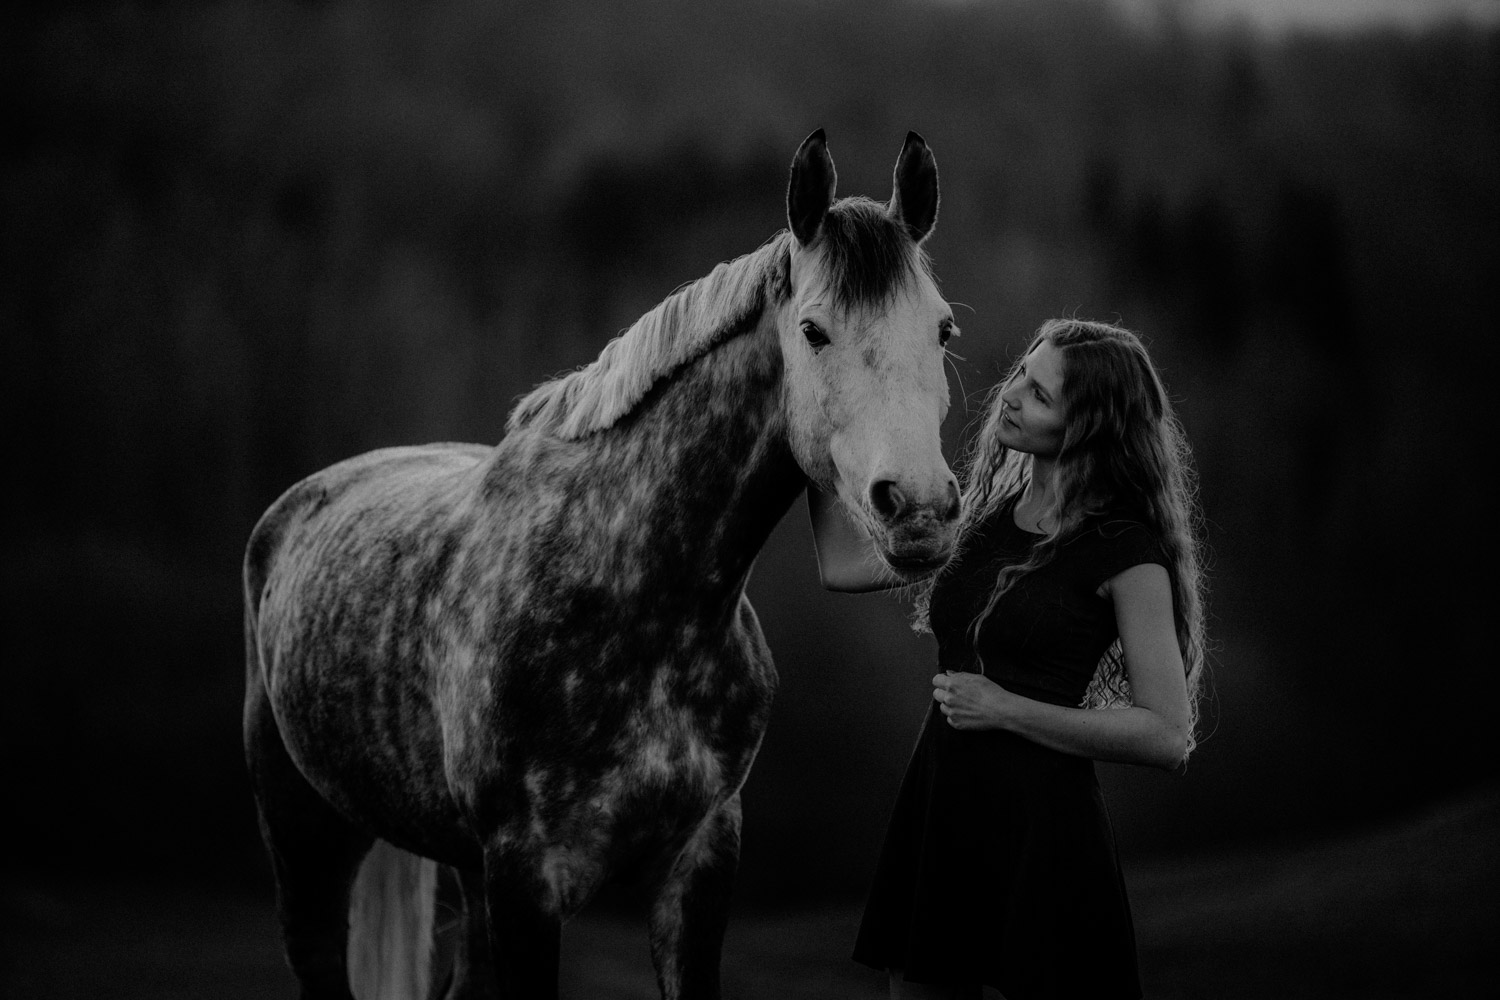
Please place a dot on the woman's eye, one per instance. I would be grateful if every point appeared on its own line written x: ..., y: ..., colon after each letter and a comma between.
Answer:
x: 815, y: 337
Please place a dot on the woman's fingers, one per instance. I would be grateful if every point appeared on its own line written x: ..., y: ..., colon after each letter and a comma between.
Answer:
x: 955, y: 695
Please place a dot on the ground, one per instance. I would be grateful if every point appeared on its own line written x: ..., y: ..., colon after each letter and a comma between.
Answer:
x: 1402, y: 911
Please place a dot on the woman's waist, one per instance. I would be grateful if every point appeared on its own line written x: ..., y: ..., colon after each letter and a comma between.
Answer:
x: 1000, y: 755
x: 1037, y: 681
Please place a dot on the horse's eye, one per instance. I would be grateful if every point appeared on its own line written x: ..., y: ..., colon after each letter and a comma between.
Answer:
x: 946, y: 330
x: 816, y: 338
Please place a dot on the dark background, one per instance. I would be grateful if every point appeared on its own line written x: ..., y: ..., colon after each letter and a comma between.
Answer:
x: 242, y: 241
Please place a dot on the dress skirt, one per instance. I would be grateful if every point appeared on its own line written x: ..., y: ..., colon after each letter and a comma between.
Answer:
x: 999, y: 867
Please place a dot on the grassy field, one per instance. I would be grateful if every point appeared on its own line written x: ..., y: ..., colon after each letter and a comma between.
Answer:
x: 1399, y: 912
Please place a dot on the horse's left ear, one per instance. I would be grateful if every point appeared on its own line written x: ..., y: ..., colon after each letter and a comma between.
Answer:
x: 914, y: 200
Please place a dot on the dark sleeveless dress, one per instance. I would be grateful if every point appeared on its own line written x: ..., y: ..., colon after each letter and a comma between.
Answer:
x: 999, y: 864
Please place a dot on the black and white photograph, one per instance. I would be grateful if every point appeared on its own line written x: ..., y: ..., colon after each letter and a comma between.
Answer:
x: 749, y: 500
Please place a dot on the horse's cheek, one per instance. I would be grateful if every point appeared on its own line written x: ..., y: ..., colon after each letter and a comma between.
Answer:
x: 809, y: 424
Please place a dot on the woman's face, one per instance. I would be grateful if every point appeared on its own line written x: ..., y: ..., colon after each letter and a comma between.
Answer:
x: 1032, y: 414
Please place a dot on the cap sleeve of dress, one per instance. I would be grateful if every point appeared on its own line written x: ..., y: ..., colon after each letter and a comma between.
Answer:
x: 1123, y: 544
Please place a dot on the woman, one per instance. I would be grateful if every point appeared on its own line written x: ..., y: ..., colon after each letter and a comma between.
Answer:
x: 1075, y: 588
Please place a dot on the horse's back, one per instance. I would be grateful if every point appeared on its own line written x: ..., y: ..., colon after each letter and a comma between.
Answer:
x: 387, y: 478
x: 341, y: 532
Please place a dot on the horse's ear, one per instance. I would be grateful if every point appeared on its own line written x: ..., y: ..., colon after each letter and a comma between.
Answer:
x: 811, y: 189
x: 914, y: 200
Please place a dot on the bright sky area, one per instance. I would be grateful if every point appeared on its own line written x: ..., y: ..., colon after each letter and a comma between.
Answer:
x: 1277, y: 15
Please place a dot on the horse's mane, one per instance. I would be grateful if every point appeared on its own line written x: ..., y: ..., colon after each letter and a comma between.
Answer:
x: 683, y: 327
x: 868, y: 254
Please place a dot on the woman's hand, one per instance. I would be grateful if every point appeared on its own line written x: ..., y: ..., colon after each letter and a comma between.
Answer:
x: 972, y: 701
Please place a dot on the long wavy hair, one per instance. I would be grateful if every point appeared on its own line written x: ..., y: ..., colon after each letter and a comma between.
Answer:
x: 1123, y: 454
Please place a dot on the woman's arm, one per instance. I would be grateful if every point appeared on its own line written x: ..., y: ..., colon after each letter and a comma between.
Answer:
x: 1152, y: 731
x: 846, y: 554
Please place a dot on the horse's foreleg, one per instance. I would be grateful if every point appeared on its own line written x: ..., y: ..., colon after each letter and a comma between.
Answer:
x: 473, y: 964
x: 691, y: 909
x: 525, y: 938
x: 314, y: 853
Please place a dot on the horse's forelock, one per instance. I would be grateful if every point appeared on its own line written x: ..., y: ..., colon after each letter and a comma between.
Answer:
x: 869, y: 256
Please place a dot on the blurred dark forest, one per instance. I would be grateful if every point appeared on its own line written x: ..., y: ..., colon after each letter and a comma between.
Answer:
x: 244, y: 240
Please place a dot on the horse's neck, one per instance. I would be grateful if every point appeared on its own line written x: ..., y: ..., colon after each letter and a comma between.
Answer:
x: 680, y: 495
x: 712, y: 447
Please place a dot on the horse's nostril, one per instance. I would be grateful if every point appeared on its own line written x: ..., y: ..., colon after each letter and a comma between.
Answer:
x: 887, y: 499
x: 955, y: 505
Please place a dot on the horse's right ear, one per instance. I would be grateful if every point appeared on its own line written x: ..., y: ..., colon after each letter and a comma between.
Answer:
x: 811, y: 189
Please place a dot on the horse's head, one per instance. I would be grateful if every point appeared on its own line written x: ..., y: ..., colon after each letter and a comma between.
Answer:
x: 863, y: 334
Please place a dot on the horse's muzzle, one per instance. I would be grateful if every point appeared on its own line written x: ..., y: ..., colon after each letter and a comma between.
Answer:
x: 911, y: 569
x: 913, y: 559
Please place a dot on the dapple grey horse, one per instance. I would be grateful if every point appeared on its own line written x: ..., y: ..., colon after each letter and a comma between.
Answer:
x: 535, y: 662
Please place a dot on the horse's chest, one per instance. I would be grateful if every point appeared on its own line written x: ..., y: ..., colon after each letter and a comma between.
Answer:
x: 636, y: 800
x: 659, y: 739
x: 625, y: 753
